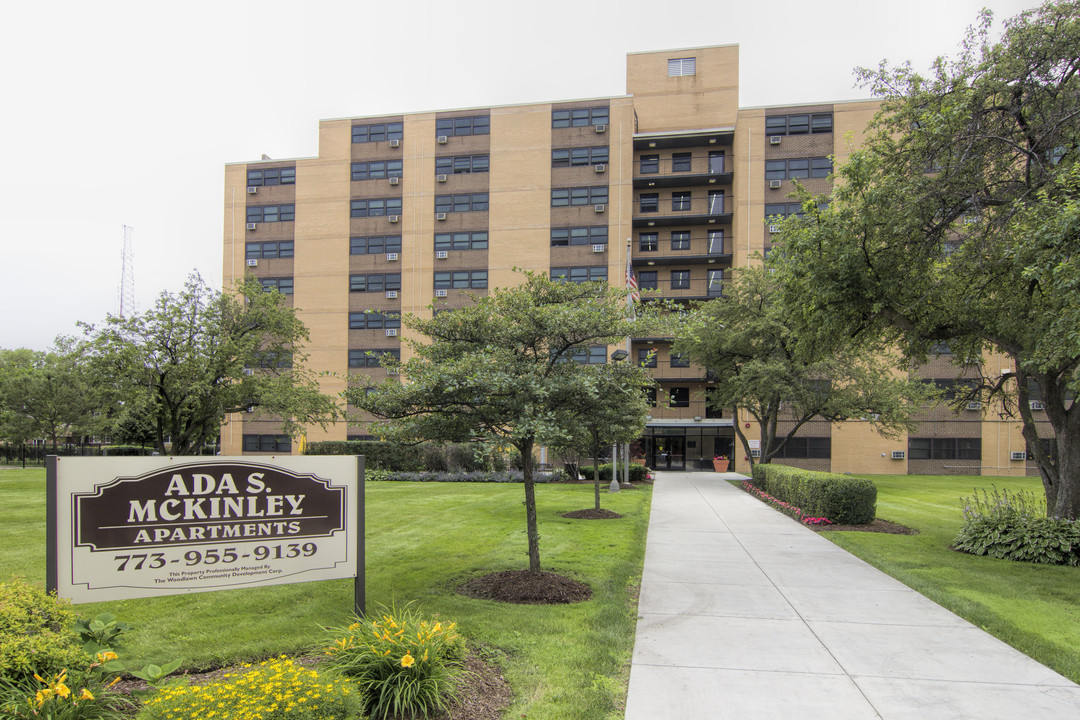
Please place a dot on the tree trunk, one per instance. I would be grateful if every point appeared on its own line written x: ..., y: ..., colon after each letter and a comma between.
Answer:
x: 525, y: 447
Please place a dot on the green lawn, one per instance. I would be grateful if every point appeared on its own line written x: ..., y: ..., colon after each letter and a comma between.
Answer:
x: 423, y: 539
x: 1034, y: 608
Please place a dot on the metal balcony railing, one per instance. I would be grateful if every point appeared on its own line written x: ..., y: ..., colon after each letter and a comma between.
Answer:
x: 655, y: 284
x: 681, y: 208
x: 680, y: 166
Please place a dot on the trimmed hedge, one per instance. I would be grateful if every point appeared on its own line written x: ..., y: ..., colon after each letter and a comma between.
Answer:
x: 480, y: 476
x: 428, y: 456
x: 843, y: 499
x: 638, y: 473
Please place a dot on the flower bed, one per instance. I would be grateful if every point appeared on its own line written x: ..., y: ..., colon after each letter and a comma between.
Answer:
x: 786, y: 508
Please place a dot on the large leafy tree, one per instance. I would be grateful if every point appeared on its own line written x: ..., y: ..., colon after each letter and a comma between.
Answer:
x: 45, y: 395
x: 749, y: 341
x: 199, y: 355
x: 957, y: 221
x: 500, y: 371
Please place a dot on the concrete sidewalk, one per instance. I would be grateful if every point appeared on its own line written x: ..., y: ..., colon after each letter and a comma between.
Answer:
x: 745, y: 613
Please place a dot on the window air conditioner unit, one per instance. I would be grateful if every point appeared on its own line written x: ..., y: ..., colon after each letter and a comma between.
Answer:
x: 391, y: 294
x: 249, y: 371
x: 599, y: 208
x: 775, y: 139
x: 600, y: 128
x: 774, y: 228
x: 1036, y: 405
x: 393, y: 218
x: 599, y: 248
x: 252, y: 263
x: 1018, y: 455
x: 441, y: 254
x: 973, y: 405
x: 394, y: 142
x: 600, y: 168
x: 775, y: 184
x: 755, y: 452
x: 391, y: 332
x: 440, y: 293
x: 440, y: 178
x: 391, y: 372
x: 252, y: 226
x: 898, y: 454
x: 392, y: 257
x: 440, y: 216
x: 395, y: 180
x: 441, y: 139
x: 252, y: 189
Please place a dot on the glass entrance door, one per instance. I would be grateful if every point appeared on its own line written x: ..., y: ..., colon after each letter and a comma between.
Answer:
x: 669, y: 453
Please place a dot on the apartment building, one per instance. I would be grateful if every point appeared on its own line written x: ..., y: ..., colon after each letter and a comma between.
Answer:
x: 405, y: 213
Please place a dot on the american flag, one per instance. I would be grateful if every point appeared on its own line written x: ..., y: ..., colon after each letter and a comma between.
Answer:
x: 631, y: 283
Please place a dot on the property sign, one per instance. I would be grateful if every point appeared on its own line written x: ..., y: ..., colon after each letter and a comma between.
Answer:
x: 147, y: 526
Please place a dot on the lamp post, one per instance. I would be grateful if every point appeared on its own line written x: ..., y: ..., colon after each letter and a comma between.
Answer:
x: 616, y: 356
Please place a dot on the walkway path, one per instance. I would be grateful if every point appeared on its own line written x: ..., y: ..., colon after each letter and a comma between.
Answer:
x: 747, y: 614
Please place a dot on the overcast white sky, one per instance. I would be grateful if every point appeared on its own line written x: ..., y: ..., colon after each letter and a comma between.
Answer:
x: 124, y: 113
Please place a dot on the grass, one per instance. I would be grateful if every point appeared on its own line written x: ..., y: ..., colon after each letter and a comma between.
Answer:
x: 423, y: 540
x: 1034, y: 608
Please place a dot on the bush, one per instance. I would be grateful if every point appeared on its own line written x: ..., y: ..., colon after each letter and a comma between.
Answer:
x: 125, y: 450
x: 843, y: 499
x: 482, y: 476
x: 272, y: 690
x: 429, y: 456
x: 638, y: 473
x: 1015, y: 527
x: 405, y: 665
x: 79, y: 695
x: 36, y: 634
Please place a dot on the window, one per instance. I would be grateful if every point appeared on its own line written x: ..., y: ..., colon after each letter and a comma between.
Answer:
x: 580, y: 274
x: 680, y: 397
x: 375, y: 283
x: 462, y: 126
x: 579, y: 117
x: 563, y: 197
x: 820, y: 167
x: 649, y: 164
x: 649, y: 242
x: 474, y: 202
x: 271, y: 176
x: 270, y: 359
x: 650, y: 395
x: 783, y: 210
x: 375, y: 207
x: 267, y: 443
x: 374, y: 245
x: 563, y: 237
x: 650, y: 202
x: 716, y: 242
x: 462, y: 164
x: 378, y: 170
x: 283, y: 285
x: 579, y: 157
x: 271, y: 213
x: 680, y: 279
x: 461, y: 280
x: 268, y: 250
x: 678, y: 361
x: 680, y: 240
x: 461, y: 241
x: 951, y: 388
x: 370, y: 358
x: 681, y: 162
x: 648, y: 280
x: 944, y: 448
x: 716, y: 202
x: 646, y: 357
x: 680, y: 201
x: 800, y: 168
x: 806, y: 447
x: 377, y: 132
x: 373, y: 320
x: 715, y: 283
x: 592, y: 355
x: 678, y: 67
x: 798, y: 124
x: 940, y: 348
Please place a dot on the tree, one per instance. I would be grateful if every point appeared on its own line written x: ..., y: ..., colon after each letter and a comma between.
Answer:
x: 44, y: 394
x: 199, y: 355
x: 957, y: 222
x: 750, y: 343
x: 610, y: 410
x: 499, y: 371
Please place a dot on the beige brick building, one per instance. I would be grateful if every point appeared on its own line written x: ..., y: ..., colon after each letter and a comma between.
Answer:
x: 401, y: 211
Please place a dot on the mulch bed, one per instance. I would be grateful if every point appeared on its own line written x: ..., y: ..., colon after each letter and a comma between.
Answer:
x: 592, y: 514
x: 526, y: 588
x: 878, y: 526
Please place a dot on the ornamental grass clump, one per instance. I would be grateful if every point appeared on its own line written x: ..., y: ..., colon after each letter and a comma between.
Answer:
x: 277, y: 689
x: 405, y: 665
x: 1014, y: 526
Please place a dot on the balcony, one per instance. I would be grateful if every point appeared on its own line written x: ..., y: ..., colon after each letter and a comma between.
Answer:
x: 681, y: 172
x: 673, y: 285
x: 654, y: 211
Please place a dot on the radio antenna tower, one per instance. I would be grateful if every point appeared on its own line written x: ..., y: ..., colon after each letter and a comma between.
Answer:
x: 127, y: 274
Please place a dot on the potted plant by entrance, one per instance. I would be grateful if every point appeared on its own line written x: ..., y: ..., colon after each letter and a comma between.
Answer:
x: 720, y: 463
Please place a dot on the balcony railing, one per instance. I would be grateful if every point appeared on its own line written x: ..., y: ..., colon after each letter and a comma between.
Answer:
x: 703, y: 285
x: 675, y: 209
x: 680, y: 166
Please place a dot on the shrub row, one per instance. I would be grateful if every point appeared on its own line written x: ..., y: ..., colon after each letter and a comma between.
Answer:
x: 429, y: 456
x: 638, y: 473
x: 843, y: 499
x: 479, y: 476
x: 1015, y: 527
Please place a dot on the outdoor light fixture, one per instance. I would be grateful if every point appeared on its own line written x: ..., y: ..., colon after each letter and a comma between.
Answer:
x: 617, y: 355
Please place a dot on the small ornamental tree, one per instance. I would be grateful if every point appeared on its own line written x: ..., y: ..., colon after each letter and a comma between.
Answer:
x: 45, y: 395
x: 499, y: 371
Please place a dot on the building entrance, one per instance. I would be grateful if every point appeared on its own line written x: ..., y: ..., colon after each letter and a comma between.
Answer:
x: 669, y: 453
